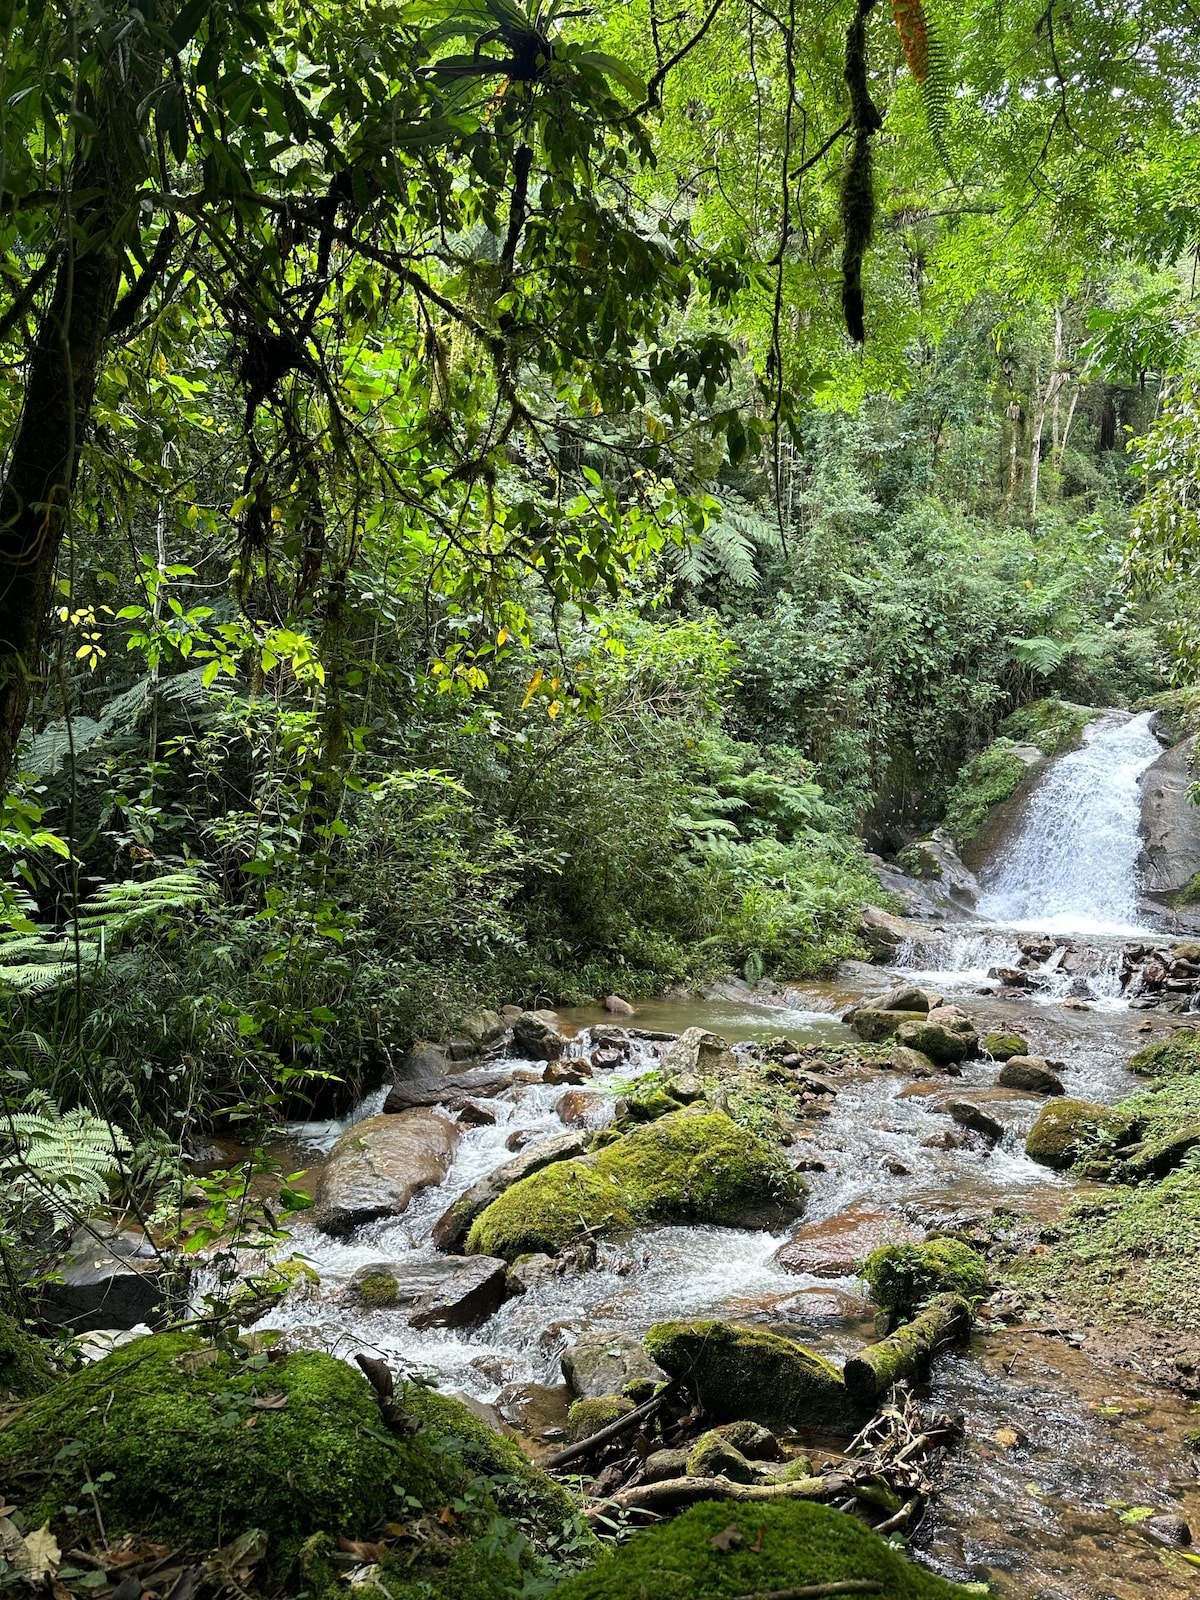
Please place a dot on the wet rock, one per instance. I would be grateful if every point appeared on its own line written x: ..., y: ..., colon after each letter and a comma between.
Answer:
x: 1011, y: 977
x: 538, y: 1410
x: 874, y: 1025
x: 573, y: 1070
x: 451, y: 1092
x: 687, y: 1088
x: 948, y: 1140
x: 882, y: 933
x: 1158, y: 1156
x: 610, y: 1037
x: 904, y: 997
x: 474, y: 1114
x: 608, y: 1363
x: 755, y: 1442
x: 896, y: 1167
x: 1169, y: 1530
x: 1031, y: 1073
x: 454, y: 1224
x: 425, y: 1063
x: 815, y: 1084
x: 835, y: 1247
x: 1002, y: 1046
x: 378, y: 1165
x: 699, y: 1053
x: 968, y: 1115
x: 946, y: 1036
x: 606, y: 1059
x: 483, y: 1028
x: 455, y: 1292
x: 617, y: 1007
x: 1065, y: 1127
x: 520, y: 1137
x: 744, y: 1373
x: 1170, y: 827
x: 530, y: 1272
x: 713, y: 1456
x: 912, y: 1063
x: 660, y: 1465
x: 581, y: 1108
x: 536, y: 1036
x: 111, y: 1278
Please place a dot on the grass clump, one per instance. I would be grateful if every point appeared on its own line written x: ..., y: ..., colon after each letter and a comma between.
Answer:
x: 902, y: 1277
x: 686, y: 1167
x: 748, y: 1374
x: 782, y: 1546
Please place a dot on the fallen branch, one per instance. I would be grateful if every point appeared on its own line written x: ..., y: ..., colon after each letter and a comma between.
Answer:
x: 612, y: 1430
x: 674, y: 1492
x: 901, y: 1517
x: 908, y: 1352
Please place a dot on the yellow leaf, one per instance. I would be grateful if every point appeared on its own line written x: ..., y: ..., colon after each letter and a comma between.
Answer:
x: 43, y: 1552
x: 532, y: 687
x: 553, y: 709
x: 502, y: 636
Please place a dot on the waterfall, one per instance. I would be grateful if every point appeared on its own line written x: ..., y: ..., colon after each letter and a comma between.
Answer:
x: 1072, y: 866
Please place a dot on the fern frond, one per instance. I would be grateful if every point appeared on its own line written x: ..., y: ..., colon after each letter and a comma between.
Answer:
x: 925, y: 53
x: 64, y: 1160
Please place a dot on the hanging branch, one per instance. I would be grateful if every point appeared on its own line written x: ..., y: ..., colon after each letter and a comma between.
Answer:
x: 858, y: 184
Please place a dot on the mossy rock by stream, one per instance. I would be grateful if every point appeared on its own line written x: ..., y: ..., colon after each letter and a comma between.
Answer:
x: 902, y: 1277
x: 1169, y: 1058
x: 686, y: 1167
x: 1067, y: 1129
x: 203, y: 1445
x: 782, y: 1545
x: 748, y: 1374
x: 25, y: 1368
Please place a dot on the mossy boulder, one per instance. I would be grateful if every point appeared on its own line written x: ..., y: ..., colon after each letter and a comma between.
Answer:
x: 686, y: 1167
x: 902, y: 1277
x: 875, y: 1024
x: 587, y: 1417
x: 744, y: 1373
x: 784, y: 1545
x: 25, y: 1368
x: 197, y: 1445
x: 1002, y: 1046
x: 1066, y: 1129
x: 714, y: 1456
x: 1170, y: 1057
x: 1163, y: 1151
x: 946, y: 1036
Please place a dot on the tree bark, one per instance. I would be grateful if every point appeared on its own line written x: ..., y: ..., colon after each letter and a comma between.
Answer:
x: 1042, y: 403
x: 63, y: 366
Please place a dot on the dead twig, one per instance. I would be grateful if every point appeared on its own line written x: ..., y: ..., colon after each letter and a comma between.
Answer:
x: 614, y: 1430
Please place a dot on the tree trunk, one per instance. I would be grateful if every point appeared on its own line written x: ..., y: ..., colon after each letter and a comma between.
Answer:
x: 61, y: 372
x: 907, y: 1352
x: 1058, y: 376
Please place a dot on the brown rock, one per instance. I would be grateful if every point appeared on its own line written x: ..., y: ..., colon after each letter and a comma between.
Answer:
x: 378, y: 1165
x: 536, y: 1036
x: 976, y: 1119
x: 1031, y: 1073
x: 833, y: 1248
x: 453, y: 1292
x: 450, y: 1092
x: 581, y: 1108
x: 617, y: 1007
x: 573, y: 1070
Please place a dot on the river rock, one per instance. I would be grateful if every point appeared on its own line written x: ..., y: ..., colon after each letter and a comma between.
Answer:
x: 698, y: 1052
x: 111, y: 1278
x: 483, y: 1028
x: 874, y: 1024
x: 1003, y: 1046
x: 536, y: 1036
x: 531, y: 1271
x: 453, y: 1292
x: 1065, y: 1126
x: 903, y: 997
x: 663, y: 1464
x: 714, y: 1456
x: 607, y: 1363
x: 1032, y: 1073
x: 833, y: 1248
x: 538, y: 1410
x: 946, y: 1036
x: 581, y: 1108
x: 567, y: 1069
x: 1168, y: 1529
x: 452, y: 1092
x: 968, y: 1115
x: 912, y: 1063
x: 617, y: 1007
x: 452, y: 1227
x: 743, y: 1373
x: 882, y: 933
x: 378, y: 1165
x: 1156, y: 1157
x: 474, y: 1114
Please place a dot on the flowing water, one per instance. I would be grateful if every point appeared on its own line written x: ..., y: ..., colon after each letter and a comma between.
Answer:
x: 1051, y: 1514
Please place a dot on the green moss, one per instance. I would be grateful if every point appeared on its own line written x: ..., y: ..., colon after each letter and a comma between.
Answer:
x: 901, y: 1277
x: 195, y: 1446
x: 1170, y: 1057
x: 587, y: 1417
x: 1052, y: 725
x: 799, y: 1544
x: 1003, y: 1046
x: 1068, y: 1130
x: 683, y: 1168
x: 984, y: 782
x: 650, y: 1106
x: 740, y: 1372
x: 715, y: 1456
x: 377, y: 1289
x: 25, y: 1368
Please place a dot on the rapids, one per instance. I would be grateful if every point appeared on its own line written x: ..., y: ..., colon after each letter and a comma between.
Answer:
x: 1051, y: 1517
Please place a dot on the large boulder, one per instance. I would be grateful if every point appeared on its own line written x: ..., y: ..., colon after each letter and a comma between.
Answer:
x: 743, y: 1373
x: 901, y: 997
x: 937, y: 857
x: 689, y: 1166
x: 378, y: 1165
x: 1169, y: 1058
x: 452, y: 1227
x: 903, y: 1277
x: 698, y: 1053
x: 1065, y: 1128
x: 1032, y: 1073
x: 453, y: 1091
x: 536, y: 1036
x: 781, y: 1547
x: 835, y: 1247
x: 450, y: 1292
x: 609, y: 1363
x: 1170, y: 824
x: 946, y: 1036
x: 874, y: 1024
x: 110, y: 1277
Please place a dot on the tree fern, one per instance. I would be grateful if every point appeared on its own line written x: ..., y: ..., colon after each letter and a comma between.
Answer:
x: 925, y: 52
x: 63, y: 1160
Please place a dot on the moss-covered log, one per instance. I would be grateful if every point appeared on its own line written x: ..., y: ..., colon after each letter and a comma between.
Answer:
x: 908, y: 1352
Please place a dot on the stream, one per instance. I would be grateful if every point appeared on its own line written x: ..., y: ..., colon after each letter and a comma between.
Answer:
x: 1062, y: 1454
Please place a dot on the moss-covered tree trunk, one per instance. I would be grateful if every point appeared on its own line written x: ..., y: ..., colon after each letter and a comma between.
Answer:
x: 64, y: 359
x: 907, y: 1352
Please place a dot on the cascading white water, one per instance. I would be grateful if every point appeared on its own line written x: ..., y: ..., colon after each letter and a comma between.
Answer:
x: 1072, y: 867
